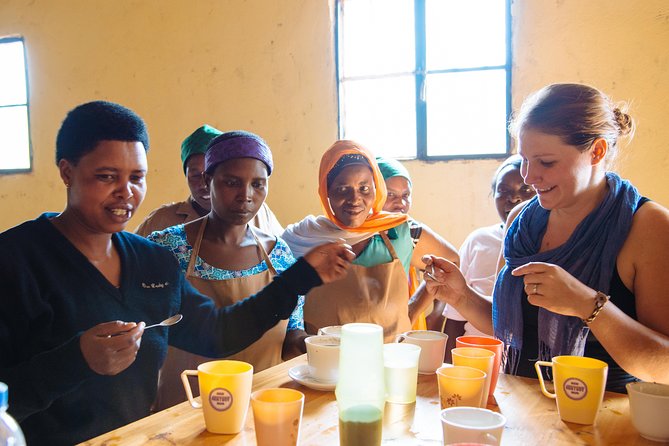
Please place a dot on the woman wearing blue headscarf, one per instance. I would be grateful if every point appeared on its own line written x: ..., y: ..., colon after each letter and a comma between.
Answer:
x: 586, y: 255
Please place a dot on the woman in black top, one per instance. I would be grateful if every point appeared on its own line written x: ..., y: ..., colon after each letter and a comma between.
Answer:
x: 76, y: 291
x: 584, y: 237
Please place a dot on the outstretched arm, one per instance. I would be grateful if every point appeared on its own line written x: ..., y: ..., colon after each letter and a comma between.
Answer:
x: 237, y: 326
x: 431, y: 243
x: 446, y: 283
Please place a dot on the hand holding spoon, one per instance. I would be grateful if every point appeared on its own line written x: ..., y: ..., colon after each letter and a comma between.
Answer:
x: 166, y: 323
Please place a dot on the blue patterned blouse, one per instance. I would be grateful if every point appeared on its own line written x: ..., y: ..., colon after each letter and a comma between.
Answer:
x: 174, y: 239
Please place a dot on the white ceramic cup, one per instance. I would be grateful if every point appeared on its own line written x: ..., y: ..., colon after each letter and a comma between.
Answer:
x: 323, y: 357
x: 333, y: 330
x: 472, y: 425
x: 432, y: 348
x: 649, y: 406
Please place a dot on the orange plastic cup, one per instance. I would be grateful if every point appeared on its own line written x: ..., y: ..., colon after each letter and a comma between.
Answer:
x: 494, y: 345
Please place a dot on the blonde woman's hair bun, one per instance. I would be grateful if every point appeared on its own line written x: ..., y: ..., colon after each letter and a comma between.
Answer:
x: 625, y: 122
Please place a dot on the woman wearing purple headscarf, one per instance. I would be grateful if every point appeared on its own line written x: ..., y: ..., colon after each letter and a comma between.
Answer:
x: 586, y: 255
x: 226, y: 258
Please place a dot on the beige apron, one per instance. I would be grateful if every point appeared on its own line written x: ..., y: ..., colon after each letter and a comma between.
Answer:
x: 263, y: 353
x: 377, y: 294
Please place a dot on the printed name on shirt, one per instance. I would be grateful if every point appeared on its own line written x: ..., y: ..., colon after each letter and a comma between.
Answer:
x: 155, y: 285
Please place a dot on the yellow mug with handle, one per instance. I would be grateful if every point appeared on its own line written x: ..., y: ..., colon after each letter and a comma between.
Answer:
x: 225, y: 391
x: 579, y: 386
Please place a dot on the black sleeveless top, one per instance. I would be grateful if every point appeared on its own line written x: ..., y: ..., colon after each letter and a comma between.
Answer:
x: 621, y: 297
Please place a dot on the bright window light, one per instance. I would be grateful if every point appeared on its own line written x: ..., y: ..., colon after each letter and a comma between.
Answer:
x: 14, y: 128
x: 427, y: 79
x: 384, y: 123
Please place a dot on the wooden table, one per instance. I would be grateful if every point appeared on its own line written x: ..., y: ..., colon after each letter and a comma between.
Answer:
x: 531, y: 419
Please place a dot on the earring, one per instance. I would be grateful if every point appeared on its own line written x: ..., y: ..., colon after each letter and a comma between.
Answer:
x: 67, y: 185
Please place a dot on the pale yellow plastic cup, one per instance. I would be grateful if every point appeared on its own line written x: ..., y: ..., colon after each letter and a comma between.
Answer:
x: 579, y: 386
x: 360, y: 389
x: 460, y: 386
x: 277, y: 416
x: 478, y: 358
x: 400, y: 364
x: 225, y: 389
x: 494, y: 345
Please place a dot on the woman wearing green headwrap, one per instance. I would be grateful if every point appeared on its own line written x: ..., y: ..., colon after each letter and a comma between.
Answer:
x: 426, y: 241
x: 198, y: 204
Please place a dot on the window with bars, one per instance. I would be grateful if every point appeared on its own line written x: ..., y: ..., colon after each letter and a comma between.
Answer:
x: 426, y: 79
x: 14, y: 119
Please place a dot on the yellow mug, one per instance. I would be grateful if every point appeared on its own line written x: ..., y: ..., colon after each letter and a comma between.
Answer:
x: 225, y: 390
x: 579, y: 386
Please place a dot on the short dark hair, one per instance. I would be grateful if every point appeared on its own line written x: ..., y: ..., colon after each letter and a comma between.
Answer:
x: 87, y: 124
x: 514, y: 160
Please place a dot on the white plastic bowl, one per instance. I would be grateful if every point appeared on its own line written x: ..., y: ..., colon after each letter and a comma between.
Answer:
x: 649, y: 407
x: 472, y: 425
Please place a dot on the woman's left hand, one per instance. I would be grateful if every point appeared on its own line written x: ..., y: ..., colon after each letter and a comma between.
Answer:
x: 551, y: 287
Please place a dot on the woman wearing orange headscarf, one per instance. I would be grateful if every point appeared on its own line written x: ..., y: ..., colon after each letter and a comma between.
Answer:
x: 352, y: 192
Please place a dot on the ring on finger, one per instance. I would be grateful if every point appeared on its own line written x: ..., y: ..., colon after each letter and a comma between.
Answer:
x: 536, y: 286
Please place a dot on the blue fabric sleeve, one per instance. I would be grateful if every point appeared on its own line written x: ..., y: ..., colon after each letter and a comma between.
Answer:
x: 296, y: 319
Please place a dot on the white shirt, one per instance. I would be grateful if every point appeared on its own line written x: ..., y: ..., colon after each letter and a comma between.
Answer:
x: 479, y: 255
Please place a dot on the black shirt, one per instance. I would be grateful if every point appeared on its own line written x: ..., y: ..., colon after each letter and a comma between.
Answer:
x: 51, y: 293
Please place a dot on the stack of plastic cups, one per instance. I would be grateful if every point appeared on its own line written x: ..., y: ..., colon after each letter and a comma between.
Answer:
x: 361, y: 390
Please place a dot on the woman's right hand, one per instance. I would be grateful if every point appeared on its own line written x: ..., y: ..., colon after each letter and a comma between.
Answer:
x: 111, y: 347
x: 444, y: 280
x: 330, y: 260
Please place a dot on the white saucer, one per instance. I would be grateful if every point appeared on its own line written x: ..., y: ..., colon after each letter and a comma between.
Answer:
x: 301, y: 375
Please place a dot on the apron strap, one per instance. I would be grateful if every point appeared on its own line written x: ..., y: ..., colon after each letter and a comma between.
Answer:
x: 263, y: 253
x: 389, y: 245
x: 196, y: 247
x: 198, y: 241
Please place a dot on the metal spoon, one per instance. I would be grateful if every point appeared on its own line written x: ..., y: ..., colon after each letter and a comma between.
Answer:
x: 167, y: 322
x: 430, y: 274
